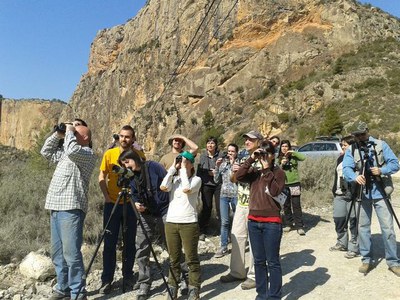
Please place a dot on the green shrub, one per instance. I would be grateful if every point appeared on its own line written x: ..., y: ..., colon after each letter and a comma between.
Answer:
x: 25, y: 224
x: 316, y: 177
x: 284, y: 117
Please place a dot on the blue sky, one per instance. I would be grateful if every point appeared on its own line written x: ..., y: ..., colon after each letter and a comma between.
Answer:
x: 45, y: 44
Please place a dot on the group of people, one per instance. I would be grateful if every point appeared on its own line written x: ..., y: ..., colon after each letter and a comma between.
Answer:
x: 245, y: 184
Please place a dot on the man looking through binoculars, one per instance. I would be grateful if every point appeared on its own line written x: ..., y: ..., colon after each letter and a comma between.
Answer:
x: 67, y: 201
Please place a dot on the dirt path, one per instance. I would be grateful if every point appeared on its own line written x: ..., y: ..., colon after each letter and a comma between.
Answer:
x: 310, y: 270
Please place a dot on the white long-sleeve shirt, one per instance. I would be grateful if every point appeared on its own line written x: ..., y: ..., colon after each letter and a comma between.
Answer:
x: 182, y: 206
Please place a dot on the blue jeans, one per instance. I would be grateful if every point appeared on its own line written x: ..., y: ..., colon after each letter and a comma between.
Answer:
x: 265, y: 239
x: 111, y: 240
x: 385, y: 219
x: 224, y: 209
x: 66, y: 241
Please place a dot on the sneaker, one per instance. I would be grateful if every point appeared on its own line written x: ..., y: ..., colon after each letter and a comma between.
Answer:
x: 136, y: 286
x: 301, y: 231
x: 221, y: 252
x: 229, y: 278
x: 128, y: 283
x: 395, y: 270
x: 351, y: 254
x: 143, y: 293
x: 364, y: 268
x: 184, y: 285
x: 174, y: 292
x: 338, y: 247
x: 287, y: 229
x: 105, y: 288
x: 248, y: 284
x: 194, y: 293
x: 202, y: 237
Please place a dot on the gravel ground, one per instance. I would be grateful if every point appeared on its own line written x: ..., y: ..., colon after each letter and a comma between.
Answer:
x: 310, y: 270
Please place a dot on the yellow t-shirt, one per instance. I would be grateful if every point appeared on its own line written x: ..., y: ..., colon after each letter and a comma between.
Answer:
x: 110, y: 158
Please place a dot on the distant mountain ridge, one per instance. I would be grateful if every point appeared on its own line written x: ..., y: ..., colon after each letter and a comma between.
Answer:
x: 23, y: 121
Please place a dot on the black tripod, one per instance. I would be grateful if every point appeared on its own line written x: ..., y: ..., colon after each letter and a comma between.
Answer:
x: 124, y: 196
x: 357, y: 200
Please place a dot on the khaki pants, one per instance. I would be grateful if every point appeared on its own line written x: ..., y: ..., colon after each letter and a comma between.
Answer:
x: 186, y: 235
x: 239, y: 237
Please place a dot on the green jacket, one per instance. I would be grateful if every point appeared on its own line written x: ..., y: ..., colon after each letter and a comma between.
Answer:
x: 291, y: 167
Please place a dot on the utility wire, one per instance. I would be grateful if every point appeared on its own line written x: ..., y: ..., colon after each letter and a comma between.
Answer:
x: 179, y: 68
x: 180, y: 65
x: 206, y: 47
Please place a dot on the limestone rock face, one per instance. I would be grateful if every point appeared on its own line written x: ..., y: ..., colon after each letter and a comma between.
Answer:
x: 139, y: 73
x: 22, y: 121
x: 37, y: 266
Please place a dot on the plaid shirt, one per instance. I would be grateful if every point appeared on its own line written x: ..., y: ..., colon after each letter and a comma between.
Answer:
x: 70, y: 183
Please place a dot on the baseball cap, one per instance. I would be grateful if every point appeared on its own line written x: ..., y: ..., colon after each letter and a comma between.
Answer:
x: 254, y: 135
x: 189, y: 156
x: 362, y: 127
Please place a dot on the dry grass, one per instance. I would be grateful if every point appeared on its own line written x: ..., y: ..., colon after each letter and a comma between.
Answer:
x: 24, y: 223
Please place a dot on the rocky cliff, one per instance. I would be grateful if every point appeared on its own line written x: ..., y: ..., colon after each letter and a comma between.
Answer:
x: 246, y: 56
x: 22, y: 121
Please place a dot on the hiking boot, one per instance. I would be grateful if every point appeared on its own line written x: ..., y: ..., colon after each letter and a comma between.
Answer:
x: 57, y: 296
x: 174, y: 292
x: 202, y: 237
x: 105, y: 288
x: 221, y: 252
x: 194, y: 293
x: 248, y: 284
x: 364, y: 268
x: 351, y: 254
x: 229, y: 278
x: 395, y: 270
x: 338, y: 247
x: 301, y: 231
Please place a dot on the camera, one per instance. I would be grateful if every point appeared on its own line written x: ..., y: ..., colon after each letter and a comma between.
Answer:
x: 124, y: 175
x: 225, y: 155
x: 178, y: 159
x: 60, y: 128
x: 123, y: 172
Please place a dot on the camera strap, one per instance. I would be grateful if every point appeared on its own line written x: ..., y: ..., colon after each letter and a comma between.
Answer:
x: 148, y: 181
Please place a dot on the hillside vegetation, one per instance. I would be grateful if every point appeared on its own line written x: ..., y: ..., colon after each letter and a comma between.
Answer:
x: 24, y: 180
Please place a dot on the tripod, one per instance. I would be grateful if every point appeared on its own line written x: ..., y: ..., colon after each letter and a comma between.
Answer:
x: 124, y: 196
x: 357, y: 199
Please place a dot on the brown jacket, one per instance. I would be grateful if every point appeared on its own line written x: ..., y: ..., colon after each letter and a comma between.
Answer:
x: 261, y: 204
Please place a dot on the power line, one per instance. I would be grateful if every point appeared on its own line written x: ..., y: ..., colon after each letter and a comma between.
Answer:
x: 180, y: 65
x: 206, y: 47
